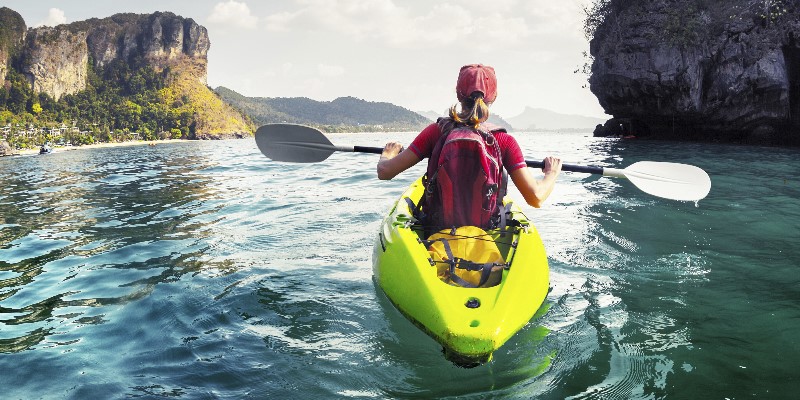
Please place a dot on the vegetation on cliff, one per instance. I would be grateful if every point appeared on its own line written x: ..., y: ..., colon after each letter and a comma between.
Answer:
x: 685, y: 23
x: 121, y: 101
x: 13, y: 29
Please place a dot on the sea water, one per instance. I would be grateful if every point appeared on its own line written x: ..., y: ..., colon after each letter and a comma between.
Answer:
x: 205, y: 270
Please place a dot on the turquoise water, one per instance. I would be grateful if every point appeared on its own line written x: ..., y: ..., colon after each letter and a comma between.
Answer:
x: 203, y: 270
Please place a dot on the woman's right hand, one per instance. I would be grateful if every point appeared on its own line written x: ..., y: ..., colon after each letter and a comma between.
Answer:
x: 536, y: 191
x: 391, y: 149
x: 551, y: 165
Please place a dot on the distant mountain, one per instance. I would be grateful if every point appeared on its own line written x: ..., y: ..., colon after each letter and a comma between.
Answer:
x: 497, y: 120
x: 493, y: 118
x: 542, y: 119
x: 344, y: 113
x: 431, y: 115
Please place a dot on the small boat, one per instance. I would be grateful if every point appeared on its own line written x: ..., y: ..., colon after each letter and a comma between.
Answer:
x: 469, y: 322
x: 45, y: 149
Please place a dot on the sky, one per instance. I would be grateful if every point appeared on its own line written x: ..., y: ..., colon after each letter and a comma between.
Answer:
x: 405, y: 52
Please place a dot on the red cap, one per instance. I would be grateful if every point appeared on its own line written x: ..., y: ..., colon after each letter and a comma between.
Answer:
x: 477, y: 78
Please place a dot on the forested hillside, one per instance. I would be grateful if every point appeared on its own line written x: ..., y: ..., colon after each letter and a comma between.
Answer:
x: 342, y: 114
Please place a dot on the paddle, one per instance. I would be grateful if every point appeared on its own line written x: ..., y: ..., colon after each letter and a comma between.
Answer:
x: 300, y: 143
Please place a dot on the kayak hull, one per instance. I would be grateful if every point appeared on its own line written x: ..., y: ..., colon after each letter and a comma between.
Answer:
x: 469, y: 334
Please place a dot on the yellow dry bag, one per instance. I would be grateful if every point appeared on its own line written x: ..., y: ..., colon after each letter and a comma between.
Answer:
x: 467, y: 257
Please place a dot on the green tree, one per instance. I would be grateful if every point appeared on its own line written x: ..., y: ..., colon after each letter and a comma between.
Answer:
x: 3, y: 96
x: 17, y: 98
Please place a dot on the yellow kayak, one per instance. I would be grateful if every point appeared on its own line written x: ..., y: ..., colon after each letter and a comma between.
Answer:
x: 469, y: 322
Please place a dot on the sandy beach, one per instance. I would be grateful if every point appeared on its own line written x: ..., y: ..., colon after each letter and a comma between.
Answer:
x: 58, y: 149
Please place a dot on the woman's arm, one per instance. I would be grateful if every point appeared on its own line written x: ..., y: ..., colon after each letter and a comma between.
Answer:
x: 395, y: 160
x: 534, y: 191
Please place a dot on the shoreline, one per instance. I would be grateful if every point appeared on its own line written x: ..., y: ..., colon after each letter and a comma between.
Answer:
x: 58, y: 149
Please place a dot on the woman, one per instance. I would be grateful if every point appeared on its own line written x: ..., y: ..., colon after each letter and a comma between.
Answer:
x: 476, y: 89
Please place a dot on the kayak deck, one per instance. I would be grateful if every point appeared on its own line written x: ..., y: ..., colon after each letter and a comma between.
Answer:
x: 470, y: 323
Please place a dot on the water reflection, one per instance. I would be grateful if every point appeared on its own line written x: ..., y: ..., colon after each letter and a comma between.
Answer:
x: 94, y: 229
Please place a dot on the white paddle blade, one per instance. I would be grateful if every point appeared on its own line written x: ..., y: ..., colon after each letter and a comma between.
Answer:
x: 293, y: 143
x: 669, y: 180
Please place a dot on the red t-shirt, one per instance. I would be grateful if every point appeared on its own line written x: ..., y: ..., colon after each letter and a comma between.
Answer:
x: 512, y: 156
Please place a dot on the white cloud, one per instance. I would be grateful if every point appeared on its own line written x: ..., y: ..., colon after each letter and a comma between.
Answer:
x: 503, y: 29
x: 495, y: 5
x: 403, y: 25
x: 233, y: 14
x: 330, y: 70
x: 359, y: 19
x: 313, y: 87
x: 463, y: 27
x: 564, y: 16
x: 54, y: 17
x: 429, y: 29
x: 281, y: 22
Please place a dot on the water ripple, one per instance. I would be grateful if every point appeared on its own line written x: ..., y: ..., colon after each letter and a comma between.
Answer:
x: 203, y: 270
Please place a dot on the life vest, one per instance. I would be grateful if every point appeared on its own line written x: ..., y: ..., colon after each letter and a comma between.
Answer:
x: 465, y: 182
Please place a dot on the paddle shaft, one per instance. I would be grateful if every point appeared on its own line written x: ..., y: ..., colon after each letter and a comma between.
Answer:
x: 532, y: 164
x: 362, y: 149
x: 569, y: 167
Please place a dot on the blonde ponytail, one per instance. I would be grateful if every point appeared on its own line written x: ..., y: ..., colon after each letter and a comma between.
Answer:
x: 473, y: 112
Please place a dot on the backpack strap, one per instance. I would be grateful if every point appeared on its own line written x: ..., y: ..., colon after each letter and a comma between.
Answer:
x: 446, y: 125
x: 505, y: 211
x: 414, y: 208
x: 487, y: 130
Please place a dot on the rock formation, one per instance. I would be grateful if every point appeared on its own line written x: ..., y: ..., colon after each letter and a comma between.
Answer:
x: 5, y: 149
x: 12, y: 34
x: 689, y: 69
x: 161, y: 39
x: 58, y: 61
x: 56, y: 58
x: 55, y: 61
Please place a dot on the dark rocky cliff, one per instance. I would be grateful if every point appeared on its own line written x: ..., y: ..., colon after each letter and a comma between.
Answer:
x: 699, y: 69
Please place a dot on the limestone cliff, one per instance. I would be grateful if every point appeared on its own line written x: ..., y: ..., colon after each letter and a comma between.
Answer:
x: 59, y: 60
x: 55, y: 58
x: 692, y: 69
x: 162, y: 39
x: 55, y: 61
